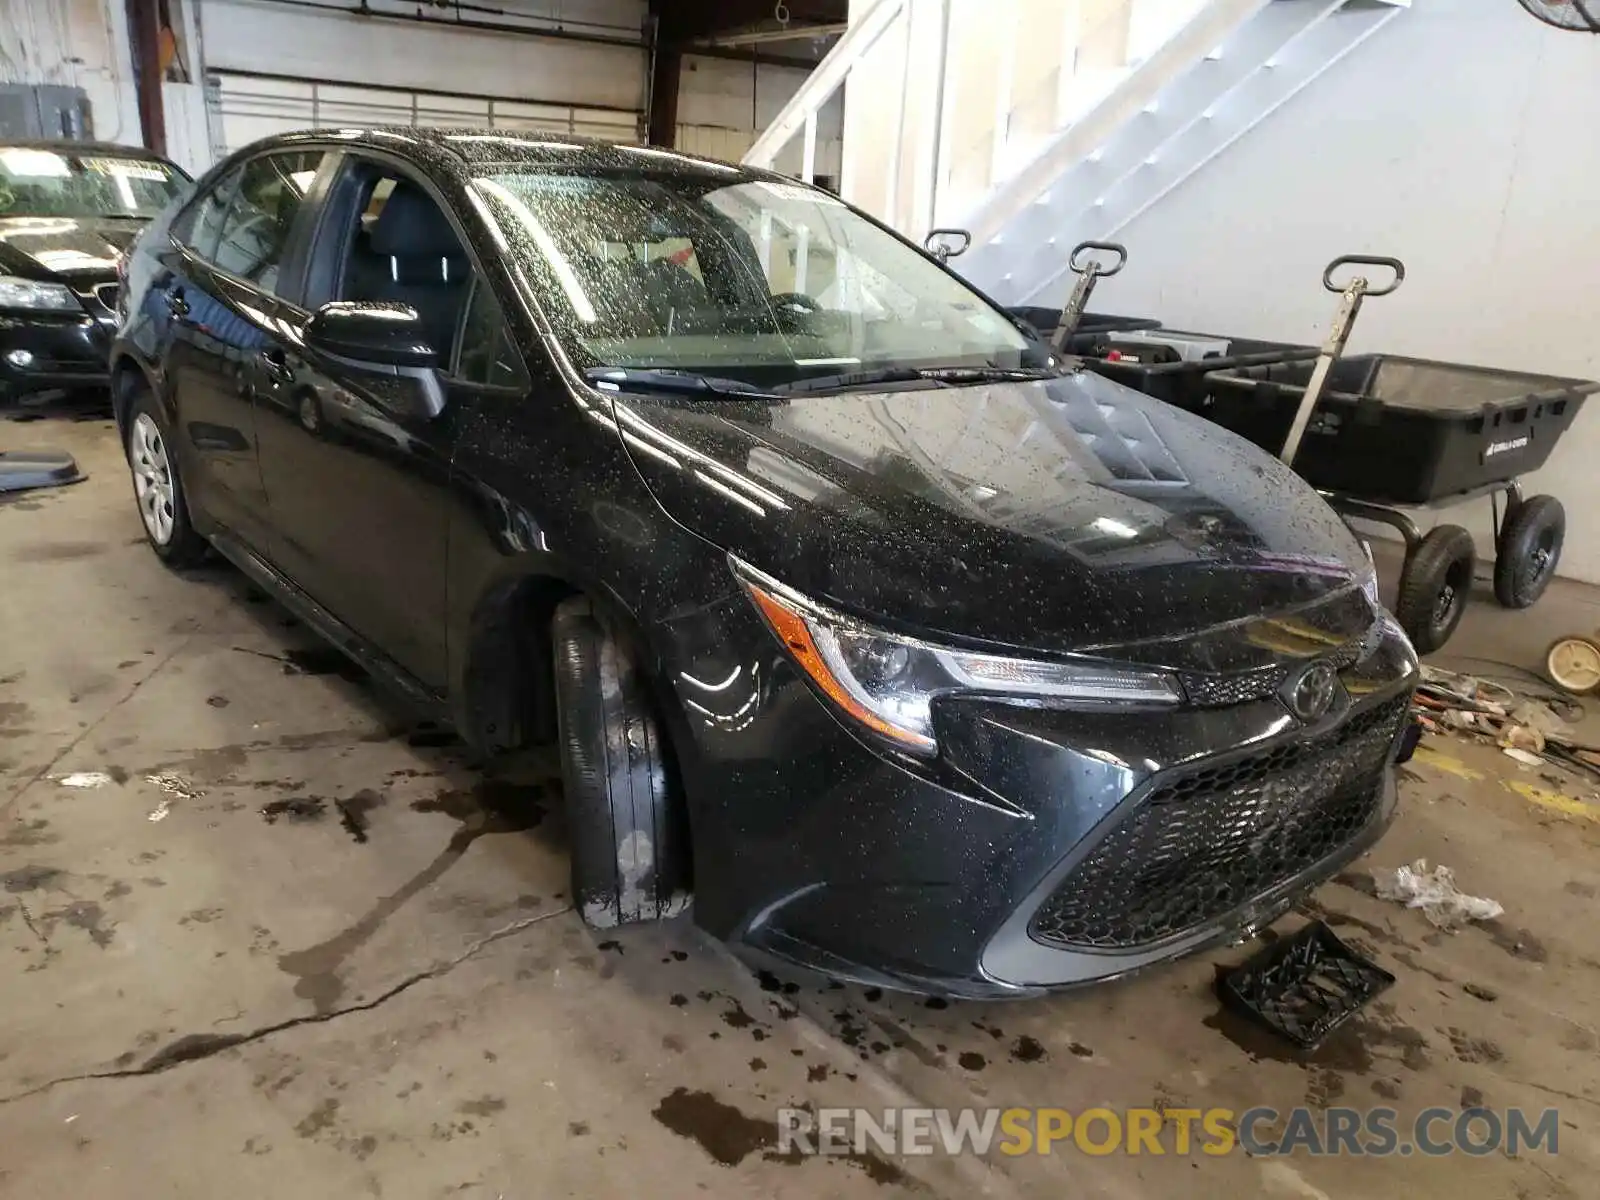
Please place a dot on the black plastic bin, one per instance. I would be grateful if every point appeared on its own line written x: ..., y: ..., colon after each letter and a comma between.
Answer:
x: 1159, y: 371
x: 1401, y: 430
x: 1091, y: 326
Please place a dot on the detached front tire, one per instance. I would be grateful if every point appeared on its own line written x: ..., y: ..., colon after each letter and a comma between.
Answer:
x: 630, y: 847
x: 158, y: 487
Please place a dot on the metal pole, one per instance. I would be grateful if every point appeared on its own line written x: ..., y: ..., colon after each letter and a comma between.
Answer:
x: 892, y: 184
x: 927, y: 175
x: 1349, y: 306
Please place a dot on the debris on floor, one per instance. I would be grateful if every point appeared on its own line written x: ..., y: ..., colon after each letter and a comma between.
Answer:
x: 1303, y: 987
x: 1532, y: 727
x: 85, y: 779
x: 26, y: 470
x: 1435, y: 893
x: 176, y: 787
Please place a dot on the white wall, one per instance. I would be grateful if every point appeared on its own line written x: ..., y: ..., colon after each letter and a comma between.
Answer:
x: 891, y: 99
x: 723, y: 105
x: 259, y: 35
x: 77, y: 43
x: 84, y: 43
x: 1463, y: 138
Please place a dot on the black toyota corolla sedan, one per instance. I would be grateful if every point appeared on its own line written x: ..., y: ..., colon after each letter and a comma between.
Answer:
x: 67, y: 211
x: 910, y: 654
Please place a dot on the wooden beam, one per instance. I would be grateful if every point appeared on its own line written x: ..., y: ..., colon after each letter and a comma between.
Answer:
x: 666, y: 71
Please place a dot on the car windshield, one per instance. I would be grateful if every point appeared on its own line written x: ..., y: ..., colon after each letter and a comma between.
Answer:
x: 758, y: 281
x: 38, y: 182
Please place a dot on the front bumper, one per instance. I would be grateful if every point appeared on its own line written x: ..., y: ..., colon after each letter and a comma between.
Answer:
x: 827, y: 850
x: 68, y: 351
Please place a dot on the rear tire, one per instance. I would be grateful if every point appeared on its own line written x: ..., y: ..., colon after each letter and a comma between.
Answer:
x: 1434, y: 587
x: 630, y: 846
x: 158, y: 487
x: 1529, y: 550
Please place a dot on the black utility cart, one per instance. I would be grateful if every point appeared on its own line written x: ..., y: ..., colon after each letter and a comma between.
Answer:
x: 1395, y: 433
x: 1377, y: 434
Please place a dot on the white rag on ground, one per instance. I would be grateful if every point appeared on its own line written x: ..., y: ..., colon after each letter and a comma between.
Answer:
x: 1435, y: 893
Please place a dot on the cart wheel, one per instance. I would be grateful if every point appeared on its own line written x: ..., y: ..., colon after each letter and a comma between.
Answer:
x: 1573, y: 664
x: 1434, y: 587
x: 1528, y: 550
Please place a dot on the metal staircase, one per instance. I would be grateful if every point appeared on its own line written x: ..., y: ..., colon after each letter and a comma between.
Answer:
x: 1036, y: 124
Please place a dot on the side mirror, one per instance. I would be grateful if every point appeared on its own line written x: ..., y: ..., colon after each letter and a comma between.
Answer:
x: 369, y: 333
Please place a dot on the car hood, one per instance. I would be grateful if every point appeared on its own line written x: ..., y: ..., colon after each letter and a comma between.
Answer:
x: 63, y: 247
x: 1061, y: 515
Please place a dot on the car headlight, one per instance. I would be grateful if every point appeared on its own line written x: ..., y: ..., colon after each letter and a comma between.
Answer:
x: 888, y: 683
x: 33, y: 293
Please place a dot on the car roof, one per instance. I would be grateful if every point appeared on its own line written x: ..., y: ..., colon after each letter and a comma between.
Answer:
x: 69, y: 146
x: 468, y: 147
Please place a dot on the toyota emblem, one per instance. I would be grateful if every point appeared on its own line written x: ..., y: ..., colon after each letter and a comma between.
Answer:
x: 1310, y: 693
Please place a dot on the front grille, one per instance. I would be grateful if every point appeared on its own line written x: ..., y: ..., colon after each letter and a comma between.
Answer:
x: 106, y: 293
x: 1219, y: 691
x: 1207, y: 841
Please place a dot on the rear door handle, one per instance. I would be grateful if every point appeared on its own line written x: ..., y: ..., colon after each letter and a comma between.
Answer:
x: 276, y: 366
x: 176, y: 302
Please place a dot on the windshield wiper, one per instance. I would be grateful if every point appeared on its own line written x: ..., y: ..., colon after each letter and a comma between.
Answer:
x: 654, y: 379
x: 852, y: 379
x: 986, y: 374
x: 944, y: 376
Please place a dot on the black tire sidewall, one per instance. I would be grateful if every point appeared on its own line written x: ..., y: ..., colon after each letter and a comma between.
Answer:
x: 1518, y: 541
x: 1445, y: 551
x: 628, y: 845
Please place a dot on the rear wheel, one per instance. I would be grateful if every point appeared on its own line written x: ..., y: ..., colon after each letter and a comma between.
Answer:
x: 629, y: 837
x: 1434, y: 587
x: 1529, y: 550
x: 158, y: 488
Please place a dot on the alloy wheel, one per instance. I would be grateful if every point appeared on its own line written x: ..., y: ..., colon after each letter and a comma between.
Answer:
x: 153, y: 481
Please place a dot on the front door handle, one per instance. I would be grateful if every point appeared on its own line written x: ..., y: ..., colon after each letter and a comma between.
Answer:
x: 177, y: 304
x: 276, y: 366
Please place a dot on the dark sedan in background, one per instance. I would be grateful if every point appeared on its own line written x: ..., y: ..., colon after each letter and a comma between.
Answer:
x: 68, y: 210
x: 912, y: 657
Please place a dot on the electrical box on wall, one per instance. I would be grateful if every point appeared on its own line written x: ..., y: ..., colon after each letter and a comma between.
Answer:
x: 44, y: 111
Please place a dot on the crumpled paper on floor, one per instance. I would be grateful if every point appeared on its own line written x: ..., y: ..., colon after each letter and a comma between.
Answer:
x: 1435, y: 893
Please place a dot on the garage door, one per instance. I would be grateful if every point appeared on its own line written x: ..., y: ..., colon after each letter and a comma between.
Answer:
x: 251, y: 106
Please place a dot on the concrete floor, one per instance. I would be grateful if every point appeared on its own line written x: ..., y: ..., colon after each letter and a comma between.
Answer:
x: 389, y: 996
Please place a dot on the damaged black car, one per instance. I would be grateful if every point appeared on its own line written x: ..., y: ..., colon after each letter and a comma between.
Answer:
x: 68, y: 210
x: 889, y: 643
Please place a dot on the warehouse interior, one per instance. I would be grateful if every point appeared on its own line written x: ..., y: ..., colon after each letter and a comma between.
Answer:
x: 276, y: 922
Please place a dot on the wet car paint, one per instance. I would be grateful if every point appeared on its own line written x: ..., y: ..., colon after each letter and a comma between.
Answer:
x: 1059, y: 516
x: 1118, y: 518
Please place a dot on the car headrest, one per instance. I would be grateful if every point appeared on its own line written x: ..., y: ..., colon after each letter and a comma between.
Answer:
x: 411, y: 225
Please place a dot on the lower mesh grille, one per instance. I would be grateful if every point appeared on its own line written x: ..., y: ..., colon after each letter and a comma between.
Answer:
x: 1203, y: 843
